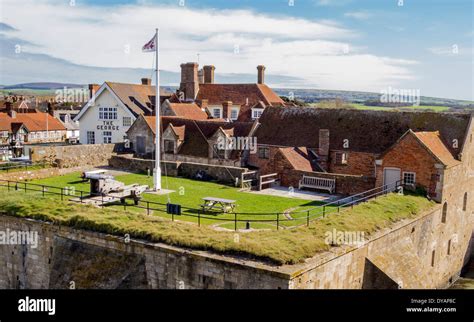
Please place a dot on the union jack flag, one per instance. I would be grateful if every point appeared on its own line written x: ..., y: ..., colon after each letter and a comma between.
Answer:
x: 150, y: 46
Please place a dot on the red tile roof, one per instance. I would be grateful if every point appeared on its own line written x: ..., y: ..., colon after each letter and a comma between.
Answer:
x: 188, y: 110
x: 298, y: 158
x: 432, y: 141
x: 34, y: 122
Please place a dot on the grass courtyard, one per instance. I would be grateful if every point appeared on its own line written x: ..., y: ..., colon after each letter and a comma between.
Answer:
x: 189, y: 193
x: 285, y: 246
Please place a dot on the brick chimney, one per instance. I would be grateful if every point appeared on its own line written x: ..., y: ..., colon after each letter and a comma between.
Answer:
x: 146, y: 81
x: 93, y: 89
x: 323, y: 149
x: 204, y: 103
x: 226, y: 109
x: 261, y: 74
x: 189, y: 80
x: 209, y: 74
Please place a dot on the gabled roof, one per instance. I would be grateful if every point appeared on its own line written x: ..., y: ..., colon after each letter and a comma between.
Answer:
x: 179, y: 131
x: 188, y: 110
x: 367, y: 131
x: 197, y: 132
x: 138, y: 99
x: 432, y: 142
x: 299, y: 158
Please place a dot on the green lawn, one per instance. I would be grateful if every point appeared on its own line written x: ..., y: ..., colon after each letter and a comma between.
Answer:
x: 285, y: 246
x: 188, y: 193
x: 361, y: 106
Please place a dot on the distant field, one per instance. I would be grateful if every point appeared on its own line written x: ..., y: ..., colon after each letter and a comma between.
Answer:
x: 26, y: 92
x: 360, y: 106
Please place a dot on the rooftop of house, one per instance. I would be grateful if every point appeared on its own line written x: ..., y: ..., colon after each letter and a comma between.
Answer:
x: 188, y: 110
x: 140, y: 99
x: 299, y: 158
x: 432, y: 141
x: 34, y: 122
x: 364, y: 131
x: 198, y: 132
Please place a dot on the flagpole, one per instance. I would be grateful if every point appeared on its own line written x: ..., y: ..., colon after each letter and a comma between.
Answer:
x: 157, y: 170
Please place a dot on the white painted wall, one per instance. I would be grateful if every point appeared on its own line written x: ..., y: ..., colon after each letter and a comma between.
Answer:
x: 89, y: 121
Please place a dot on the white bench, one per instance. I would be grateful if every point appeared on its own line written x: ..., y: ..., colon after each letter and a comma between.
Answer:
x: 318, y: 183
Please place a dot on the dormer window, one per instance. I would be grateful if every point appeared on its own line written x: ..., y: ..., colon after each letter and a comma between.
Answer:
x: 256, y: 113
x: 234, y: 114
x: 216, y: 113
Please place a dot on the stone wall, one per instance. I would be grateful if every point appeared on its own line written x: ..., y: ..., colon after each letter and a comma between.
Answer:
x: 345, y: 184
x: 69, y: 156
x: 401, y: 256
x: 128, y: 162
x: 94, y: 260
x: 224, y: 174
x: 39, y: 174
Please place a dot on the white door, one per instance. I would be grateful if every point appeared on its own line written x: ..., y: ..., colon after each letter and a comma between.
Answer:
x: 391, y: 176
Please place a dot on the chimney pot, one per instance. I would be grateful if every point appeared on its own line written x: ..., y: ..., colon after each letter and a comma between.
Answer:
x: 146, y: 81
x: 261, y: 74
x: 209, y: 74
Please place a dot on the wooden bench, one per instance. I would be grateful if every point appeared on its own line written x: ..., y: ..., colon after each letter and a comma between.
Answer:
x: 318, y: 183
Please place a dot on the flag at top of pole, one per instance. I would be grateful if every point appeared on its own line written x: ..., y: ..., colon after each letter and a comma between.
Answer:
x: 152, y: 46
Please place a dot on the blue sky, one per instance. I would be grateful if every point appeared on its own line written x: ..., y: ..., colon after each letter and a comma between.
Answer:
x: 329, y: 44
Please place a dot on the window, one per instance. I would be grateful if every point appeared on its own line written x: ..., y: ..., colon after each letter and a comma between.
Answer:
x: 409, y: 178
x: 263, y: 153
x: 464, y: 202
x: 90, y: 137
x: 107, y: 113
x: 218, y: 153
x: 234, y: 114
x: 341, y: 158
x: 127, y: 121
x: 445, y: 212
x: 256, y: 113
x: 168, y: 146
x: 216, y: 112
x: 107, y: 136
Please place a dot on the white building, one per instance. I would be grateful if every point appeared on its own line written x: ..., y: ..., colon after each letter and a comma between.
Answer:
x: 113, y: 108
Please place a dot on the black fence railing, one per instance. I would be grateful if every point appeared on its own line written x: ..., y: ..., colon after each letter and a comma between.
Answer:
x: 21, y: 166
x: 279, y: 219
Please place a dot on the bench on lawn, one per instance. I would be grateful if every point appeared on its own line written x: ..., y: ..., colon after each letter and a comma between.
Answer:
x: 224, y: 205
x: 318, y: 183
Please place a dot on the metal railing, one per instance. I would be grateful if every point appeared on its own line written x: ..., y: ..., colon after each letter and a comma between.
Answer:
x: 21, y: 166
x: 279, y: 219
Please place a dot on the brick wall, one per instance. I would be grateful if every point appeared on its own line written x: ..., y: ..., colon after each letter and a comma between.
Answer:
x: 128, y: 162
x: 409, y: 156
x: 358, y: 163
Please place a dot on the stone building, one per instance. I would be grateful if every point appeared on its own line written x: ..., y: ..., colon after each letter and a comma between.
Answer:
x: 386, y: 146
x: 199, y: 141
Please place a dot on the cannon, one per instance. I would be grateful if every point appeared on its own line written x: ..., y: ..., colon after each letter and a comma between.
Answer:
x: 106, y: 185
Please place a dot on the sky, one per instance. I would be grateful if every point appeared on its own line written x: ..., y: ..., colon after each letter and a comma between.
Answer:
x: 360, y: 45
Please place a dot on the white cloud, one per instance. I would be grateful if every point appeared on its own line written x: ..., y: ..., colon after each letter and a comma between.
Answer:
x: 360, y: 15
x: 113, y: 37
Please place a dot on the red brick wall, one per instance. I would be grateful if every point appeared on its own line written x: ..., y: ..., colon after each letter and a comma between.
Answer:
x: 345, y: 184
x: 358, y: 163
x: 409, y: 156
x: 266, y: 166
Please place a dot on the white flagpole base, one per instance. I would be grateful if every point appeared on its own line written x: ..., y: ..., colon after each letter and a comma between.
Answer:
x: 157, y: 179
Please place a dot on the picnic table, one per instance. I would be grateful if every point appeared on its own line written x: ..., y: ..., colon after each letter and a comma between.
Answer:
x: 223, y: 205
